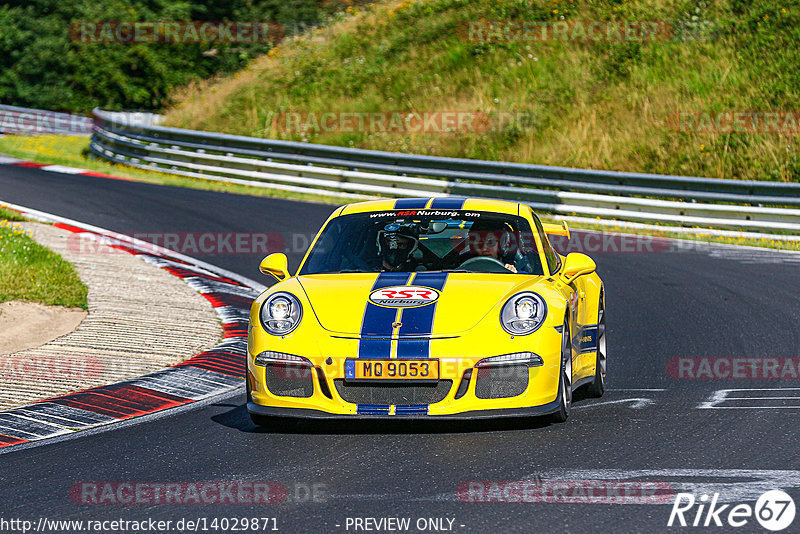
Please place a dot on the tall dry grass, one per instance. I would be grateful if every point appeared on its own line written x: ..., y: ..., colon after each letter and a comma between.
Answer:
x: 607, y: 105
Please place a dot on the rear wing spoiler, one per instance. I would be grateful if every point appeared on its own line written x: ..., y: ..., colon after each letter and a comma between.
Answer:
x: 556, y: 229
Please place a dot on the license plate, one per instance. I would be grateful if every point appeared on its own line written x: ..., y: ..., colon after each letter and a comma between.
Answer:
x: 391, y: 370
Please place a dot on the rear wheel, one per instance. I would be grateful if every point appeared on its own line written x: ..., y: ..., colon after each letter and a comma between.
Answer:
x: 598, y: 385
x: 565, y: 380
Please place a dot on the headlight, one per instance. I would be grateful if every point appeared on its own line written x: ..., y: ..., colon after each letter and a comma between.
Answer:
x: 281, y: 313
x: 280, y: 308
x: 517, y: 358
x: 525, y: 308
x: 523, y: 314
x: 269, y: 356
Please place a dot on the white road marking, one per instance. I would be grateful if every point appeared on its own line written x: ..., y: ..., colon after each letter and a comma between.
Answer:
x: 762, y: 398
x: 637, y: 403
x: 754, y: 256
x: 63, y: 169
x: 733, y: 485
x: 636, y: 389
x: 717, y: 399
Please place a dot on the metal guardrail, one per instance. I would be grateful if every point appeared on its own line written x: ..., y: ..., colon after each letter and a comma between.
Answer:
x: 356, y: 173
x: 25, y: 121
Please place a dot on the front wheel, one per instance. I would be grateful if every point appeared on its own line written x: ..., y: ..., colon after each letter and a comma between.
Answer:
x: 598, y: 385
x: 565, y: 380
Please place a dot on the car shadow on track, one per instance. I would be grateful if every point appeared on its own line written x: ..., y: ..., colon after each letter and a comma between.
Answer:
x: 238, y: 419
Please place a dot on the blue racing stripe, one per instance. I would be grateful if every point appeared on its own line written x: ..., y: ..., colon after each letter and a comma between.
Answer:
x: 413, y: 348
x: 411, y: 203
x: 372, y: 409
x: 411, y: 409
x: 419, y: 321
x: 448, y: 203
x: 376, y: 327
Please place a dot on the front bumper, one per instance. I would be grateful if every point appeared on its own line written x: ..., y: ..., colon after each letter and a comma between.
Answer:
x: 459, y: 394
x: 307, y: 413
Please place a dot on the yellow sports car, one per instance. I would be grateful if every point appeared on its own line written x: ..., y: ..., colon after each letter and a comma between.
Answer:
x: 432, y: 308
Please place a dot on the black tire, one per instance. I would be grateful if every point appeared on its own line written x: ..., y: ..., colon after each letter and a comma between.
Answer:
x: 598, y: 385
x: 565, y: 380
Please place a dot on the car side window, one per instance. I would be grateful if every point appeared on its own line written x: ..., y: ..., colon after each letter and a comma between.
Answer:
x: 553, y: 261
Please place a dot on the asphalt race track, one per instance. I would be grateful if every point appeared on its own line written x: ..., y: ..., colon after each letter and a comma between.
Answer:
x: 651, y: 430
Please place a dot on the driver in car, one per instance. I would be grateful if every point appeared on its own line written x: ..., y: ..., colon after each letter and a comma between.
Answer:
x: 487, y: 244
x: 397, y: 250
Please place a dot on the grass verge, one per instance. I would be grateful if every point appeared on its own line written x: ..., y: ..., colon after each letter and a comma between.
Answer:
x: 10, y: 215
x: 32, y: 272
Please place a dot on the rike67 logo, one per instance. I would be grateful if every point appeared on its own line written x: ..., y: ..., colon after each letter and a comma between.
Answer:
x: 774, y: 510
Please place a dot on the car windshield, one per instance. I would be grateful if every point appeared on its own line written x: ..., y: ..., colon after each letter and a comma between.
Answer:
x: 397, y: 241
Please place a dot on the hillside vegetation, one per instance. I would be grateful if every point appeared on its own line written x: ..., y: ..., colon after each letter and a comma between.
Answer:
x: 596, y: 103
x: 46, y: 64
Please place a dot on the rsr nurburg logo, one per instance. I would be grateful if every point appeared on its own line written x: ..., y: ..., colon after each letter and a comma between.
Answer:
x: 403, y: 296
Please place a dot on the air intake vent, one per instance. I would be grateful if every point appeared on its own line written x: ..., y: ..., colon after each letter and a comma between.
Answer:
x: 290, y: 380
x: 501, y: 381
x: 393, y: 393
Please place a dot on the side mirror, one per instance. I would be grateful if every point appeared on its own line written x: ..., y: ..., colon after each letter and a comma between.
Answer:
x: 276, y: 265
x: 577, y: 264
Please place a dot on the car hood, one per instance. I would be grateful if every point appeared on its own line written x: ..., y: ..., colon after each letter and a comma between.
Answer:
x: 342, y: 301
